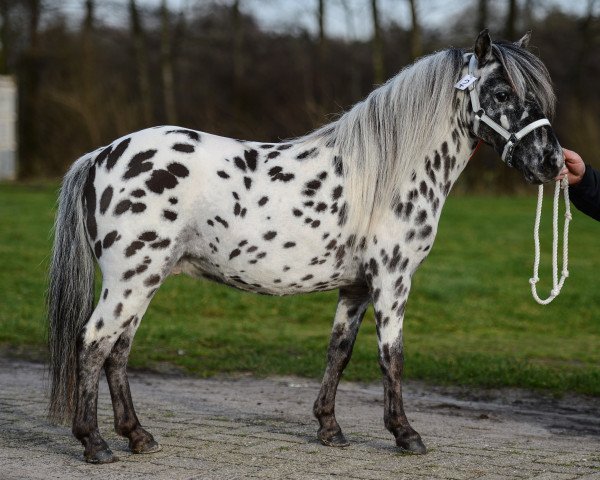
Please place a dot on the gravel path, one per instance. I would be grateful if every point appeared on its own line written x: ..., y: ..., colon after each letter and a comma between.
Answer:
x: 263, y: 428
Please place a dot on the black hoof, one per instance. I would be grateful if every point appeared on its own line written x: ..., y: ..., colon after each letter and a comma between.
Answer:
x: 101, y: 456
x: 333, y: 439
x: 150, y: 446
x: 412, y: 444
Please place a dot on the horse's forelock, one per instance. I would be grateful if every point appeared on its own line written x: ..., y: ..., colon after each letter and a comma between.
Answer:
x: 526, y: 72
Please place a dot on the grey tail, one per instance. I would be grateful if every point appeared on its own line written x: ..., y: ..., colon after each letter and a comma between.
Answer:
x: 70, y: 295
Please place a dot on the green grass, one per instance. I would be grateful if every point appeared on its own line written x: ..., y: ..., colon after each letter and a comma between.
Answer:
x: 470, y: 319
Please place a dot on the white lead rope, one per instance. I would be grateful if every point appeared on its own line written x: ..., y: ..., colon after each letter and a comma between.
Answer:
x: 556, y: 283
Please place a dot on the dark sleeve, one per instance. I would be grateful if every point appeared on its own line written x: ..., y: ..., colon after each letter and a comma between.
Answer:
x: 586, y: 194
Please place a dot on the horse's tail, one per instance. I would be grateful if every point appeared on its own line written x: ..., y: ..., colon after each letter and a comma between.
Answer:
x: 70, y: 293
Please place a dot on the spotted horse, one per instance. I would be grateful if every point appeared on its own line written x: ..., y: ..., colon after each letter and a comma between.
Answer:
x: 353, y: 206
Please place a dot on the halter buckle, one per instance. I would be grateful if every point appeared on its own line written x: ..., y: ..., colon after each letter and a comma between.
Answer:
x: 508, y: 152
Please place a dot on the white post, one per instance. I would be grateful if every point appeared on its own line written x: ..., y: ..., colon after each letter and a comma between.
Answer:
x: 8, y: 128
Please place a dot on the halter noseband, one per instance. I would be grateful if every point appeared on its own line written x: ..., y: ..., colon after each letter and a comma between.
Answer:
x: 511, y: 138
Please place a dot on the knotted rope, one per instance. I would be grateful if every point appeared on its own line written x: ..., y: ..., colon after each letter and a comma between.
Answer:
x: 556, y: 283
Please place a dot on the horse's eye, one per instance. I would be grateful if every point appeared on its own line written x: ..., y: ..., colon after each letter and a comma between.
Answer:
x: 501, y: 97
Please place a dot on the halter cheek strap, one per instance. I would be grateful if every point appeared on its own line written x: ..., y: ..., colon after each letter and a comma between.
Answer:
x: 511, y: 138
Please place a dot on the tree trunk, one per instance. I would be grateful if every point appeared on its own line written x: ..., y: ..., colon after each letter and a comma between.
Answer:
x: 511, y: 19
x: 166, y: 65
x: 29, y: 81
x: 355, y: 92
x: 238, y: 60
x: 416, y: 48
x: 482, y: 15
x: 90, y: 91
x: 378, y: 67
x: 5, y: 34
x: 141, y: 60
x: 320, y: 72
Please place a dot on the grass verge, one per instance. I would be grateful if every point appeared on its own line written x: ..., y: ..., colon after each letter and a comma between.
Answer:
x: 470, y: 319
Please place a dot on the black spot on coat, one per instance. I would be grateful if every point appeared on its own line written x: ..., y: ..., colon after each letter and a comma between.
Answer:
x: 133, y: 248
x: 109, y: 239
x: 89, y: 198
x: 183, y: 147
x: 122, y: 207
x: 192, y: 135
x: 148, y: 236
x: 116, y: 153
x: 170, y: 215
x: 105, y: 199
x: 161, y: 180
x: 178, y: 169
x: 139, y: 164
x: 313, y: 152
x: 102, y: 156
x: 251, y: 156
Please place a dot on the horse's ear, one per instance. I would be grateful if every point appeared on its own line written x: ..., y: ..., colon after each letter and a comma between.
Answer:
x: 524, y: 42
x: 483, y: 47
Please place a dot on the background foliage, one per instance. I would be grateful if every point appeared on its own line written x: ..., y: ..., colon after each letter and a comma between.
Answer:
x: 209, y: 65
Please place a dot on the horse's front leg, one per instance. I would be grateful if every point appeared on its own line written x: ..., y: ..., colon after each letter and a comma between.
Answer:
x: 390, y: 279
x: 351, y: 307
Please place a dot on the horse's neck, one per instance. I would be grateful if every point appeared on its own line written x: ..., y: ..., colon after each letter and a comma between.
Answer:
x: 443, y: 164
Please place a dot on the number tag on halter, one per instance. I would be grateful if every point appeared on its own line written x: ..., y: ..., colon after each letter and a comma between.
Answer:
x: 465, y: 82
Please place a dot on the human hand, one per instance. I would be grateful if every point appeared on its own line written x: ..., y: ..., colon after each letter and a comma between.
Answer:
x: 574, y: 167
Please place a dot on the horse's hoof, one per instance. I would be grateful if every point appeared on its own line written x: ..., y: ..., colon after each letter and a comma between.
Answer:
x: 335, y: 440
x: 146, y: 447
x: 413, y: 445
x: 101, y: 456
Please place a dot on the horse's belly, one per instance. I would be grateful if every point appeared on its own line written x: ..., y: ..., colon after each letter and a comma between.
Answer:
x: 269, y: 274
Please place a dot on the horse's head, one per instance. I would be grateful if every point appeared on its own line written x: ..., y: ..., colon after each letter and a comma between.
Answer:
x: 510, y: 104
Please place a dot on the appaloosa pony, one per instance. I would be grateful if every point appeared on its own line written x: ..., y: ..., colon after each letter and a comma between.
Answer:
x: 352, y: 206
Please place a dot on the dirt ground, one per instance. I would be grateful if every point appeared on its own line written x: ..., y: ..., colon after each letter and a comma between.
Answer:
x: 263, y: 428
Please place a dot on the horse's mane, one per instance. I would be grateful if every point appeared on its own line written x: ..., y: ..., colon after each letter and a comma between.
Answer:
x: 382, y: 137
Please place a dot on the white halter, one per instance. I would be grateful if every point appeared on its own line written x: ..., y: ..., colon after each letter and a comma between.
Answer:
x: 511, y: 138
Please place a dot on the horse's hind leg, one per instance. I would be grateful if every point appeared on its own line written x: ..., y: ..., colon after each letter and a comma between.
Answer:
x: 110, y: 319
x: 126, y: 421
x: 93, y: 347
x: 351, y: 307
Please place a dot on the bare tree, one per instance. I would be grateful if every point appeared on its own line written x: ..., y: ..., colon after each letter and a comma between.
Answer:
x: 238, y: 57
x: 320, y: 71
x: 377, y: 42
x: 511, y: 19
x: 5, y: 36
x: 141, y: 60
x: 355, y: 74
x: 29, y: 80
x: 482, y: 15
x: 416, y: 48
x: 87, y: 105
x: 166, y: 65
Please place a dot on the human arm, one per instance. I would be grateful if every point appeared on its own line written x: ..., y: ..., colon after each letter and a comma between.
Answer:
x: 584, y: 184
